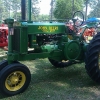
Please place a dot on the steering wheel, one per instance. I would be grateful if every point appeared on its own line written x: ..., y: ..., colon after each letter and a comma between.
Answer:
x: 78, y: 18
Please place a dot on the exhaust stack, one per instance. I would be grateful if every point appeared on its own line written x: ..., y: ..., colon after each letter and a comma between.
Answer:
x: 23, y: 10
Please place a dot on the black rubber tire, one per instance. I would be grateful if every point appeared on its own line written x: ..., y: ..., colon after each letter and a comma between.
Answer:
x: 4, y: 63
x: 6, y: 71
x: 92, y: 59
x: 59, y: 64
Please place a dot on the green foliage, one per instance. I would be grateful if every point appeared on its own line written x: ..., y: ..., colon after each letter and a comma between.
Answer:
x: 43, y: 17
x: 91, y: 3
x: 16, y: 6
x: 63, y: 8
x: 35, y: 9
x: 96, y: 11
x: 1, y: 9
x: 12, y: 8
x: 7, y: 8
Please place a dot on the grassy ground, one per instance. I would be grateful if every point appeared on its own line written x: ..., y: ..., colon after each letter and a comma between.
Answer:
x: 48, y: 83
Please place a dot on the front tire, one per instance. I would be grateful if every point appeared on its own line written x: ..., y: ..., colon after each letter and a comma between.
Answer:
x: 14, y: 79
x: 4, y: 63
x: 92, y: 59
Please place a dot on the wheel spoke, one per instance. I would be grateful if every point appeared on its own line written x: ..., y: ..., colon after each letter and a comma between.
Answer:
x: 15, y: 80
x: 18, y: 75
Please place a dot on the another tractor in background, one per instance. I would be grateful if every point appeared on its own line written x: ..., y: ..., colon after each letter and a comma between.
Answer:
x: 3, y: 36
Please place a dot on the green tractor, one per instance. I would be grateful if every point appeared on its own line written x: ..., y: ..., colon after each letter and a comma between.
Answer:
x: 50, y: 40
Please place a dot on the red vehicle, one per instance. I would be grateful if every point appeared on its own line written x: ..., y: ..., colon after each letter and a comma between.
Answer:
x: 3, y: 35
x: 89, y: 32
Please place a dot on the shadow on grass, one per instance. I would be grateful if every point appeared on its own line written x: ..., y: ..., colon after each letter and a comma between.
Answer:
x: 74, y: 75
x: 48, y: 82
x: 62, y: 83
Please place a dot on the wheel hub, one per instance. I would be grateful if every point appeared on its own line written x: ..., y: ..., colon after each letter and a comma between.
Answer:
x: 14, y: 79
x: 72, y: 50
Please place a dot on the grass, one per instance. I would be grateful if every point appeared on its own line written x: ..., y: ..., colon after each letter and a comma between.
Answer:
x: 49, y: 83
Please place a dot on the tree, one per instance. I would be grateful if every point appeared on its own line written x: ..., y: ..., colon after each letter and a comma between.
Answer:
x: 43, y: 17
x: 35, y: 9
x: 16, y: 6
x: 52, y: 4
x: 63, y: 8
x: 90, y: 3
x: 7, y: 6
x: 1, y: 10
x: 96, y: 11
x: 12, y: 8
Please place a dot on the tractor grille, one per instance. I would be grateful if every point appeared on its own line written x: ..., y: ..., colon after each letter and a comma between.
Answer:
x: 16, y: 40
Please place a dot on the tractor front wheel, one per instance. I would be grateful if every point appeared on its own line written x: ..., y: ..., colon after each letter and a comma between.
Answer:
x: 3, y: 64
x: 60, y: 64
x: 93, y: 59
x: 14, y: 79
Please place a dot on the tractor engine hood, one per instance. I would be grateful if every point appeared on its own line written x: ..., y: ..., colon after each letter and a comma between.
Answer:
x: 42, y: 27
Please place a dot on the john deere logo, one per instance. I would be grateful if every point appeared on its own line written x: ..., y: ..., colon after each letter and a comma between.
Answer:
x: 48, y: 28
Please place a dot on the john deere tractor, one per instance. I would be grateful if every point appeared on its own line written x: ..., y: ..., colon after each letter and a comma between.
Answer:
x: 53, y: 40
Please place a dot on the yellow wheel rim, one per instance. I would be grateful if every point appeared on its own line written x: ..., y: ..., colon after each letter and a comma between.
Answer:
x: 15, y: 81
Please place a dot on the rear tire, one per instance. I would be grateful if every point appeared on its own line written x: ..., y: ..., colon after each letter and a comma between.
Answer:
x: 59, y: 64
x: 14, y: 79
x: 92, y: 59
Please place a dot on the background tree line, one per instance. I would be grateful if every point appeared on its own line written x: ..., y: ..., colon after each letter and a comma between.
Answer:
x: 61, y: 9
x: 12, y: 8
x: 65, y: 8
